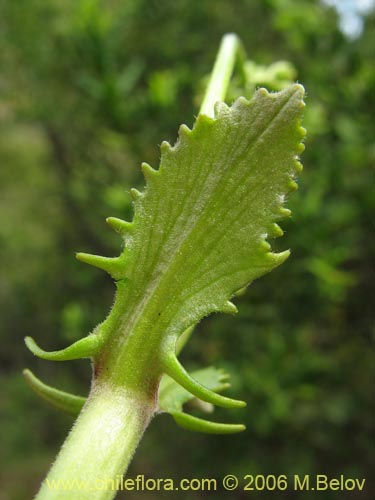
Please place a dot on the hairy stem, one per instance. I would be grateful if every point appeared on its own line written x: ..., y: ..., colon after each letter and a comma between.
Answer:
x: 99, y: 448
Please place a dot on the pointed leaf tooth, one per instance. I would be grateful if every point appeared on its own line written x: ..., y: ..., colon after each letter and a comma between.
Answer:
x: 242, y: 101
x: 191, y: 423
x: 284, y: 212
x: 264, y: 246
x: 278, y: 258
x: 184, y: 130
x: 148, y: 171
x: 120, y: 226
x: 83, y: 348
x: 221, y: 107
x: 302, y: 131
x: 298, y: 165
x: 263, y: 92
x: 165, y: 147
x: 68, y: 403
x: 135, y: 194
x: 111, y: 265
x: 302, y: 103
x: 177, y: 372
x: 229, y: 308
x: 275, y: 231
x: 241, y: 291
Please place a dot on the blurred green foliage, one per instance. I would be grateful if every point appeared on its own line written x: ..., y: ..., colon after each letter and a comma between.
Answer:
x: 89, y: 89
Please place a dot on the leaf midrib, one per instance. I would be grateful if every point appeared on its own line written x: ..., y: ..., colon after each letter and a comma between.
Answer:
x: 162, y: 277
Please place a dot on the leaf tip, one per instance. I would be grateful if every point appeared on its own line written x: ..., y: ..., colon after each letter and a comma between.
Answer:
x: 32, y: 345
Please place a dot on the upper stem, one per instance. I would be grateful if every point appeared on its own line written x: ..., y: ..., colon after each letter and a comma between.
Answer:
x: 230, y: 52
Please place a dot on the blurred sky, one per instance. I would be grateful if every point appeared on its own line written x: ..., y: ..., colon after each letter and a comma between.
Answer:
x: 350, y: 13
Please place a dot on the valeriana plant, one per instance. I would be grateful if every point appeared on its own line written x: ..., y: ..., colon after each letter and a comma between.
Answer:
x: 198, y: 236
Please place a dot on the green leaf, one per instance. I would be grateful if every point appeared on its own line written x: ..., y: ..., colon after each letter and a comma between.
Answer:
x: 198, y: 237
x: 200, y: 228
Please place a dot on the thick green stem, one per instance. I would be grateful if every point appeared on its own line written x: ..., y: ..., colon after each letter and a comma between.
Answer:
x: 230, y: 52
x: 99, y: 448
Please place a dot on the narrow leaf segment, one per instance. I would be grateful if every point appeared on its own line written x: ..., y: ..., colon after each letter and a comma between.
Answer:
x: 87, y: 347
x: 196, y: 424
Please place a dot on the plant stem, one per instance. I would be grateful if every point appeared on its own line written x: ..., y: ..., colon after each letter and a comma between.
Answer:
x: 230, y: 52
x: 99, y: 448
